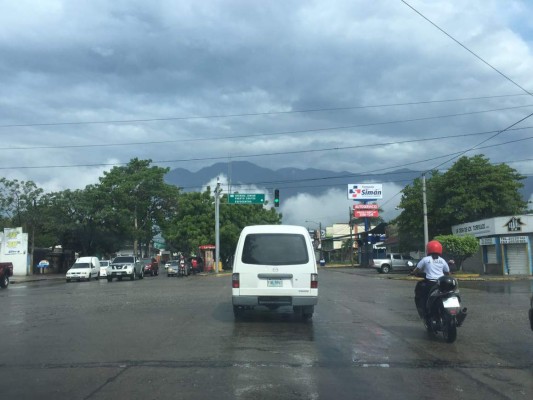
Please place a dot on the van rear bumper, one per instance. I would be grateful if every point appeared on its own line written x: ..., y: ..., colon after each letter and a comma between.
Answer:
x: 251, y: 301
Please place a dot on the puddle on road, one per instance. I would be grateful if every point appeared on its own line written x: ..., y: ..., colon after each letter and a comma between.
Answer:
x: 512, y: 287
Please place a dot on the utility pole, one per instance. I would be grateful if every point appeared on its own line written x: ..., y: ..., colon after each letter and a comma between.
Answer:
x: 217, y: 222
x: 135, y: 225
x: 351, y: 235
x: 425, y: 209
x: 30, y: 269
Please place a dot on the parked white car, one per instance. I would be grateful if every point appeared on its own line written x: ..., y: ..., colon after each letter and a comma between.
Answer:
x: 103, y: 267
x: 275, y: 266
x: 85, y: 268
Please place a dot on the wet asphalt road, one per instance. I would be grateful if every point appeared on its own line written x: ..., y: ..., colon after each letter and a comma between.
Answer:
x: 175, y: 338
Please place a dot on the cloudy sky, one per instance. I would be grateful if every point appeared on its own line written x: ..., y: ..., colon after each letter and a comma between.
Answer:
x: 342, y: 85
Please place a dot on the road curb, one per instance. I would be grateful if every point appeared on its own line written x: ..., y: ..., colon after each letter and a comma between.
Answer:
x: 465, y: 278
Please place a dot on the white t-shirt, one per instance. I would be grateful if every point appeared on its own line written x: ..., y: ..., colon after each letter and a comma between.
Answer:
x: 434, y: 268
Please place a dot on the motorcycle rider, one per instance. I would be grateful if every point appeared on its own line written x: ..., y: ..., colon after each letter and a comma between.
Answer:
x: 434, y: 266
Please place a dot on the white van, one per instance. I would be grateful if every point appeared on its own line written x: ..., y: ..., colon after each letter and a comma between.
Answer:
x: 84, y: 268
x: 275, y: 266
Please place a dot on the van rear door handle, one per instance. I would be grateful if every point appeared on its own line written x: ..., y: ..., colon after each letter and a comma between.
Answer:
x: 274, y: 276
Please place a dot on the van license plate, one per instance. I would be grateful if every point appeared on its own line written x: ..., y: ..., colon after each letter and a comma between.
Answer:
x: 275, y: 283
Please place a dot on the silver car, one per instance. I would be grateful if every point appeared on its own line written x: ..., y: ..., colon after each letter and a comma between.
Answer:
x: 173, y: 268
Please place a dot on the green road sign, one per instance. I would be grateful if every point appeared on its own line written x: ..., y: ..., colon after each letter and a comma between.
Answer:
x: 238, y: 198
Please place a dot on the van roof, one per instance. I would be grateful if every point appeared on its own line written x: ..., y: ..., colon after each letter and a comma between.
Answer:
x: 274, y: 229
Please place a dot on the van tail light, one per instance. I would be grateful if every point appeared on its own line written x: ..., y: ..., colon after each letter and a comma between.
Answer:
x: 235, y: 283
x: 314, y: 281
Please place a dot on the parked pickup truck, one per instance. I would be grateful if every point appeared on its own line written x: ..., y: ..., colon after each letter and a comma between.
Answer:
x: 393, y: 262
x: 6, y: 270
x: 125, y: 266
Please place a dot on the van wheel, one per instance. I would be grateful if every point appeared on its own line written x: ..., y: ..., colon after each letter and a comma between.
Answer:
x: 307, y: 316
x: 385, y: 269
x: 306, y: 312
x: 238, y: 312
x: 110, y: 279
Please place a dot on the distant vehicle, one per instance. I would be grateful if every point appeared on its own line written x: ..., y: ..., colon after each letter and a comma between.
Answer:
x: 185, y: 267
x: 173, y: 268
x: 84, y: 268
x: 103, y: 267
x: 393, y: 262
x: 196, y: 263
x: 6, y: 270
x: 125, y: 267
x: 275, y: 266
x: 151, y: 267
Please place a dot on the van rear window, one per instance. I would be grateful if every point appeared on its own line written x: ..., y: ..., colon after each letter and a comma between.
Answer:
x: 81, y: 265
x: 274, y: 249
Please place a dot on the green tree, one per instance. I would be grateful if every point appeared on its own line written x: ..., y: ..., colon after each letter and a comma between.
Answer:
x: 473, y: 189
x: 138, y: 201
x: 410, y: 223
x: 234, y: 217
x: 78, y: 220
x: 459, y: 248
x: 17, y: 201
x: 194, y: 223
x: 470, y: 190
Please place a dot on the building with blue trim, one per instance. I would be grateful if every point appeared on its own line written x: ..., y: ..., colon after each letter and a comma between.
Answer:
x: 505, y: 245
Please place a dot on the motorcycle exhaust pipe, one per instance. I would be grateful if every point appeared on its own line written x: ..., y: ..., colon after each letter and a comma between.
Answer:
x: 461, y: 316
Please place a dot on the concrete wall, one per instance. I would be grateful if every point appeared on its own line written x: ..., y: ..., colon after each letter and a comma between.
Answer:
x: 474, y: 264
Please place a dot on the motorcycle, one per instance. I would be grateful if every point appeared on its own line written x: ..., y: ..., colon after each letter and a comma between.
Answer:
x: 183, y: 270
x: 443, y: 312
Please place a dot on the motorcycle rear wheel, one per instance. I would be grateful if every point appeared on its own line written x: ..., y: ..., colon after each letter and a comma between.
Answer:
x: 449, y: 328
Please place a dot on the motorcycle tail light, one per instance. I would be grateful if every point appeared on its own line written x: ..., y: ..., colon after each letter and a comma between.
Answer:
x: 314, y: 281
x: 235, y: 283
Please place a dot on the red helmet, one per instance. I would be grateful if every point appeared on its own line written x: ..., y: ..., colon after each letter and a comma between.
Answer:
x: 434, y: 247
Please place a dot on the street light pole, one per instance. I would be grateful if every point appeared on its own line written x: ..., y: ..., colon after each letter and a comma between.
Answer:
x: 217, y: 223
x: 425, y: 210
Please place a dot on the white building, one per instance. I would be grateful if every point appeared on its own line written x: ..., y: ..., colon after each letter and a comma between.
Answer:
x: 505, y: 244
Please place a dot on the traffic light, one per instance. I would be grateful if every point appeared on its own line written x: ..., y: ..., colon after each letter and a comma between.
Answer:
x: 276, y: 198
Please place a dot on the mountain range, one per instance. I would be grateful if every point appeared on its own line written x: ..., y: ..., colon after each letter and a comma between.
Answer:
x: 243, y: 176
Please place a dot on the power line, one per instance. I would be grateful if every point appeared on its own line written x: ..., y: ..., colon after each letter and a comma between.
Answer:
x: 461, y: 135
x: 260, y: 155
x: 147, y: 120
x: 371, y: 173
x: 466, y: 48
x: 477, y: 146
x: 271, y: 133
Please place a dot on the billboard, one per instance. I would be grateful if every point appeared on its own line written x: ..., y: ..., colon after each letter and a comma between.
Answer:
x: 14, y: 241
x: 365, y: 213
x: 365, y: 191
x: 361, y: 207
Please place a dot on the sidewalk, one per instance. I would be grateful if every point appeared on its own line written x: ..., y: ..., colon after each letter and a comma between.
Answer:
x: 404, y: 276
x: 35, y: 278
x: 61, y: 277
